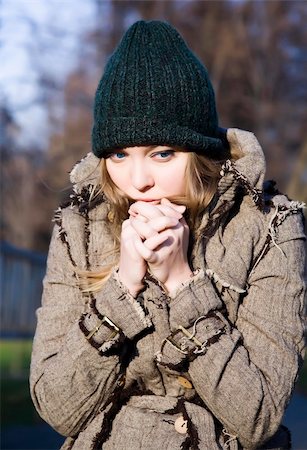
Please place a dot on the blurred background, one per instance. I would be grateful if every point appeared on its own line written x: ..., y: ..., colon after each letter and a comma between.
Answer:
x: 52, y: 56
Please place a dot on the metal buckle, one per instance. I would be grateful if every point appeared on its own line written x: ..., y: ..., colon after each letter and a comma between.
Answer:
x: 110, y: 324
x: 170, y: 339
x: 190, y: 336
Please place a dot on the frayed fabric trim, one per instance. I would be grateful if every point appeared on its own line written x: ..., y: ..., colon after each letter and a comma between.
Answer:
x: 197, y: 275
x: 85, y: 200
x: 133, y: 301
x: 107, y: 345
x: 62, y: 233
x: 75, y: 168
x: 229, y: 439
x: 81, y: 177
x: 87, y: 235
x: 280, y: 214
x: 150, y: 277
x: 255, y: 194
x: 213, y: 276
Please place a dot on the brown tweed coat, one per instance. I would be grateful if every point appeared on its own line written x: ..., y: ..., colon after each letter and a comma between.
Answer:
x: 210, y: 366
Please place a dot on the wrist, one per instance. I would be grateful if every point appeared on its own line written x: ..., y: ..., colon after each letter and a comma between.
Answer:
x: 135, y: 290
x: 132, y: 288
x: 172, y: 283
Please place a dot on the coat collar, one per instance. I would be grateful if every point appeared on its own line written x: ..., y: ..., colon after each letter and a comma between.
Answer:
x: 85, y: 173
x: 241, y: 177
x: 247, y: 172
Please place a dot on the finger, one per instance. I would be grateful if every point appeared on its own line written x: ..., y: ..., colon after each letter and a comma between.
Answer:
x: 154, y: 226
x: 142, y: 228
x: 169, y: 211
x: 128, y: 231
x: 183, y: 222
x: 141, y: 218
x: 163, y: 223
x: 179, y: 208
x: 155, y: 241
x: 125, y: 224
x: 147, y: 254
x: 147, y: 210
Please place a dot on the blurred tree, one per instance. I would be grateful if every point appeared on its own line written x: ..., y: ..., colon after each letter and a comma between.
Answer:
x: 297, y: 187
x: 23, y: 204
x: 72, y: 142
x: 256, y: 54
x: 35, y: 180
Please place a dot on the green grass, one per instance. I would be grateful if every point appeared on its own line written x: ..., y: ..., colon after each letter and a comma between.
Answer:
x: 16, y: 403
x: 15, y: 357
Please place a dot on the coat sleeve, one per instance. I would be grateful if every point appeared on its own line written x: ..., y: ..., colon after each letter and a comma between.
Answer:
x: 72, y: 377
x: 245, y: 372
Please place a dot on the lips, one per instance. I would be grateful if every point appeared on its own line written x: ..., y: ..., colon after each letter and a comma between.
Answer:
x: 147, y: 200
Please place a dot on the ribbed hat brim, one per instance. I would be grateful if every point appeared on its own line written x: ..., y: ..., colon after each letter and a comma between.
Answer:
x: 121, y: 132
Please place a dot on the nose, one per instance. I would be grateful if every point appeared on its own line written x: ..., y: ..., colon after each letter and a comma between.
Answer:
x: 141, y: 177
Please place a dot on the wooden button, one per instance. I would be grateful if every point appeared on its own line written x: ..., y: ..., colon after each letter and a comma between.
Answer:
x: 181, y: 425
x: 185, y: 383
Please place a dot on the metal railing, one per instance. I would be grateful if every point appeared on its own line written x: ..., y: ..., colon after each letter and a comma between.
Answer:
x: 21, y: 275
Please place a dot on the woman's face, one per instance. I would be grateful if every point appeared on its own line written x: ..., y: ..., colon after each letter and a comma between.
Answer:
x: 148, y: 173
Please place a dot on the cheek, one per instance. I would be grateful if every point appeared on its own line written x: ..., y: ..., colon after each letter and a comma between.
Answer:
x: 174, y: 182
x: 116, y: 175
x: 179, y: 176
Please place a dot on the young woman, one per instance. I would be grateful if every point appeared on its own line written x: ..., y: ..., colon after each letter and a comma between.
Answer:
x: 172, y: 314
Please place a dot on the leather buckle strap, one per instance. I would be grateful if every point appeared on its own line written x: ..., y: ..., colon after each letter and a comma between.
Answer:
x: 171, y: 339
x: 189, y: 335
x: 109, y: 324
x: 183, y: 345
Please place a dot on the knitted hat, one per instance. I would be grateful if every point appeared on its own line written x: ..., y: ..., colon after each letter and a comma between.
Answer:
x: 154, y: 91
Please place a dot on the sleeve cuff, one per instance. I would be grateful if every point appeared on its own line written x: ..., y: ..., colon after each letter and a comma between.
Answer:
x: 120, y: 307
x: 198, y: 273
x: 195, y: 298
x: 102, y: 334
x: 186, y: 344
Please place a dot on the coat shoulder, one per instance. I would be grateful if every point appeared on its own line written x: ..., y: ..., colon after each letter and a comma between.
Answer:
x: 281, y: 218
x: 286, y: 219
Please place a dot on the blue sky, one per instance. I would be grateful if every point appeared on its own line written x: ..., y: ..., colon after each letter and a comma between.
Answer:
x: 37, y: 37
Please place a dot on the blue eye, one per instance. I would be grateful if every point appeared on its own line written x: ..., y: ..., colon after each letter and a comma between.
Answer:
x: 166, y: 154
x: 117, y: 155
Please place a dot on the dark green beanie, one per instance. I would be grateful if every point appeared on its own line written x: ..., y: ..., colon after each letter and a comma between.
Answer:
x: 154, y: 91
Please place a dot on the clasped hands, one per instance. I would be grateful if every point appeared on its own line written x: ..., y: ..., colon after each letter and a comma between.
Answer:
x: 155, y: 237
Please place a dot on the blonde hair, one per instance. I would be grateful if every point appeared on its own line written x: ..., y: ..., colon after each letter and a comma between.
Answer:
x: 202, y: 177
